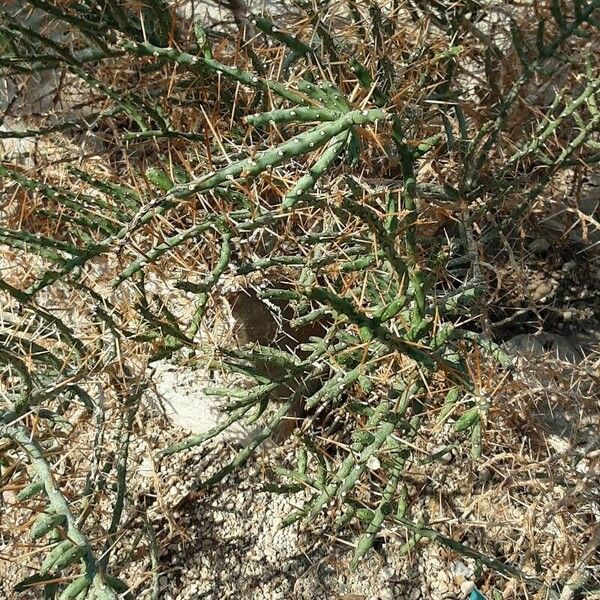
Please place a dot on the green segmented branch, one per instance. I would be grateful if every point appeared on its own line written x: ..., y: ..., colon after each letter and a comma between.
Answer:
x: 128, y: 198
x: 297, y: 146
x: 155, y: 253
x: 399, y: 456
x: 38, y: 243
x: 65, y: 333
x: 257, y: 164
x: 540, y: 137
x: 197, y: 440
x: 243, y: 455
x: 292, y: 42
x: 212, y: 279
x: 291, y: 115
x: 238, y: 411
x: 94, y: 577
x: 326, y: 94
x: 68, y: 199
x: 316, y: 504
x: 122, y: 440
x: 21, y: 134
x: 488, y: 134
x: 308, y: 181
x: 380, y: 514
x: 26, y: 385
x: 198, y: 64
x: 317, y: 263
x: 15, y: 240
x: 335, y: 387
x: 495, y: 564
x: 371, y: 329
x: 385, y: 240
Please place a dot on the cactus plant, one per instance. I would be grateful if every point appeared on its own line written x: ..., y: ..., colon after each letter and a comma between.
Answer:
x: 312, y: 162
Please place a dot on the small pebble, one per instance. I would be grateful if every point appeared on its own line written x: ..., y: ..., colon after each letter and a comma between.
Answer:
x: 466, y: 587
x: 415, y: 594
x: 539, y: 246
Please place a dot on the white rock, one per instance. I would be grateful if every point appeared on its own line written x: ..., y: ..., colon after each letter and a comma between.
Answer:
x: 373, y: 463
x: 466, y: 587
x: 415, y: 594
x: 181, y: 391
x: 460, y: 568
